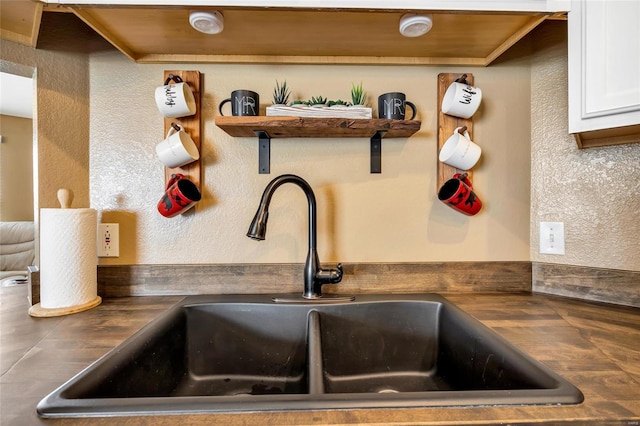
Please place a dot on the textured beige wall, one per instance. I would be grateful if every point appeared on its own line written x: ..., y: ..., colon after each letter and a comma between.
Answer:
x: 596, y: 191
x: 62, y: 117
x: 391, y: 217
x: 16, y: 169
x: 62, y: 121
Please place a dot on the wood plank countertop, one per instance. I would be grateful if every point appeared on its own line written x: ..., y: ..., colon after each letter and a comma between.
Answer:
x: 594, y: 346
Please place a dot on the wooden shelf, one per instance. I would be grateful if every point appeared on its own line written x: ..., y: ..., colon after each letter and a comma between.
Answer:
x: 266, y: 128
x: 306, y: 127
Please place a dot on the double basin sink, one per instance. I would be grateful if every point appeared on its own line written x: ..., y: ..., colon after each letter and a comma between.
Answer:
x: 245, y: 353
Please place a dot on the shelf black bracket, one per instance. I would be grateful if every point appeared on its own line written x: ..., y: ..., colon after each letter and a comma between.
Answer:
x: 264, y: 152
x: 376, y: 151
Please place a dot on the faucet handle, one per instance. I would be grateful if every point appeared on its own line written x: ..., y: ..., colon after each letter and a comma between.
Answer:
x: 338, y: 271
x: 330, y: 276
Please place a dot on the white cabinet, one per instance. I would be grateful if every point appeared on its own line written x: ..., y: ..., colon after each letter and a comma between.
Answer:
x: 604, y: 67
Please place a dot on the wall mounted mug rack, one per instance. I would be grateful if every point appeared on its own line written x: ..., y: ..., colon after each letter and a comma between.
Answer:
x: 447, y: 124
x: 192, y: 125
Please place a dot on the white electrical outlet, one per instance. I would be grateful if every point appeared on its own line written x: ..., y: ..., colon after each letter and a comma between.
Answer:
x: 108, y: 240
x: 552, y: 237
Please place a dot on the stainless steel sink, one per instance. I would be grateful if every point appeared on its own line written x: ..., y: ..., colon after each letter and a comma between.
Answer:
x: 246, y: 353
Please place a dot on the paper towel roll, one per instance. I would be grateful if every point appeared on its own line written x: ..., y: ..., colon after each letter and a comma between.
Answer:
x: 68, y: 258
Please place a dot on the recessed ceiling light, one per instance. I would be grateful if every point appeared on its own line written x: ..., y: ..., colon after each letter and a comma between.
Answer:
x: 207, y: 22
x: 412, y: 25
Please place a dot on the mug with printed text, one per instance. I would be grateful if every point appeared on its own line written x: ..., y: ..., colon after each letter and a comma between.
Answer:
x: 393, y: 105
x: 175, y: 98
x: 459, y: 150
x: 243, y: 102
x: 461, y: 99
x: 177, y: 149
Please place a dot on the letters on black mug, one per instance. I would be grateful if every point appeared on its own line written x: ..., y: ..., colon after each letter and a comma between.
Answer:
x: 244, y: 103
x: 393, y: 107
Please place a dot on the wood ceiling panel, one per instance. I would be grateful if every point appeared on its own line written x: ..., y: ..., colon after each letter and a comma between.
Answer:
x: 261, y: 35
x: 20, y: 21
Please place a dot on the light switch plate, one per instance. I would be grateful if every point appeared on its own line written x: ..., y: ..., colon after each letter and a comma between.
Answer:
x: 552, y: 238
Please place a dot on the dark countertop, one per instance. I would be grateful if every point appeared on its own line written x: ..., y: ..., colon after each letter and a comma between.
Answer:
x: 594, y: 346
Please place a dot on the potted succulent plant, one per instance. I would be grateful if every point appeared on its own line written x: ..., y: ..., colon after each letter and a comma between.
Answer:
x: 358, y: 95
x: 317, y: 101
x: 338, y: 104
x: 320, y: 106
x: 281, y: 93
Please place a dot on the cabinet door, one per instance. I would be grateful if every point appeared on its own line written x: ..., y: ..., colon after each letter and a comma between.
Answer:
x: 604, y: 64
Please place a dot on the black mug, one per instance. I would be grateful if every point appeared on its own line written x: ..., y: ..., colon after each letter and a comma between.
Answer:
x: 243, y: 102
x: 393, y: 105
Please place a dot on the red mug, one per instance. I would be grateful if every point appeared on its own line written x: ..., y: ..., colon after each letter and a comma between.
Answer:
x: 180, y: 196
x: 458, y: 194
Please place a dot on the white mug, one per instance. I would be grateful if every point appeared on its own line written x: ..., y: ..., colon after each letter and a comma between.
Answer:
x: 459, y: 151
x: 461, y: 99
x: 178, y: 149
x: 175, y: 99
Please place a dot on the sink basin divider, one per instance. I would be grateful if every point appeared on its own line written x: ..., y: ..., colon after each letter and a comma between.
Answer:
x: 314, y: 348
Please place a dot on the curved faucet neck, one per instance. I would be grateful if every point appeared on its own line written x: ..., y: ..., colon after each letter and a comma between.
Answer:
x: 314, y: 275
x: 311, y: 201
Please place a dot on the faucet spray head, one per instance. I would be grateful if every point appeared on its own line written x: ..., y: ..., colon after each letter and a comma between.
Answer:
x: 258, y: 228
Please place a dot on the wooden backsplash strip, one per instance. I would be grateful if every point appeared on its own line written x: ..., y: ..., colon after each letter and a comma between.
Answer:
x: 603, y: 285
x: 582, y: 282
x: 138, y: 280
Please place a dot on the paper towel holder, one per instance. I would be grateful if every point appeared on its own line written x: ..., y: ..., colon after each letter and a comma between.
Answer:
x: 65, y: 198
x: 38, y: 311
